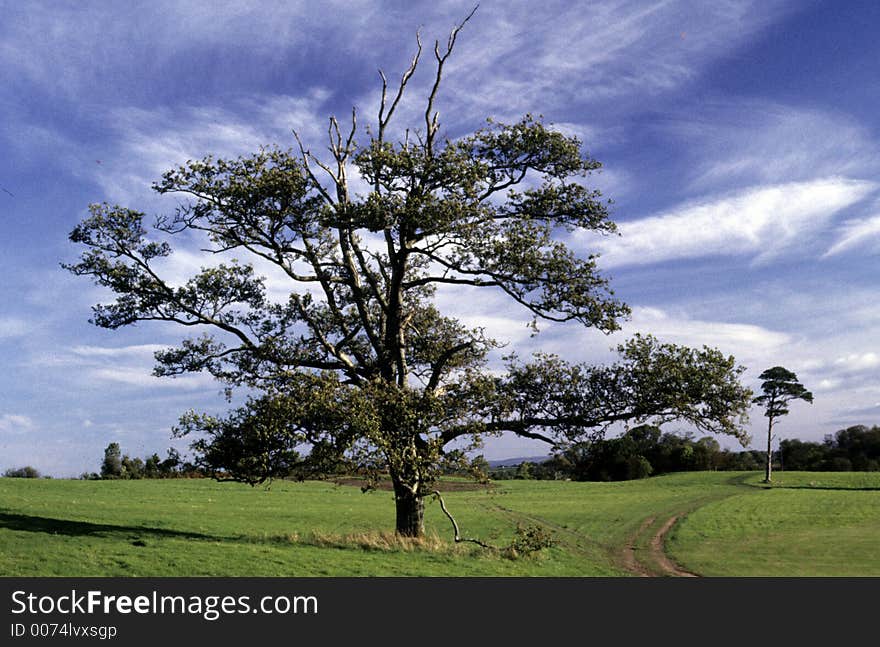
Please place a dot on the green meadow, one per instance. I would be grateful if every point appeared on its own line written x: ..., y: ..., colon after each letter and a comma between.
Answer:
x: 807, y: 524
x: 728, y: 524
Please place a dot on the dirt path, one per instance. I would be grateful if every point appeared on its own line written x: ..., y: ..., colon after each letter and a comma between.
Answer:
x: 644, y: 551
x: 628, y: 556
x: 649, y: 543
x: 658, y: 551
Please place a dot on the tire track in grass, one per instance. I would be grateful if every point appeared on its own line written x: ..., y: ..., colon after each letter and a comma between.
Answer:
x: 659, y: 554
x: 628, y: 554
x: 649, y: 540
x: 573, y: 540
x: 642, y: 553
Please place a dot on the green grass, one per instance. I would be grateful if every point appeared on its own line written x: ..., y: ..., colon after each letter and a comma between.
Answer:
x: 806, y: 524
x: 203, y: 528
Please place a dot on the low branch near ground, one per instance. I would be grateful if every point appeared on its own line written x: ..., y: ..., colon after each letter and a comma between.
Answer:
x: 458, y: 537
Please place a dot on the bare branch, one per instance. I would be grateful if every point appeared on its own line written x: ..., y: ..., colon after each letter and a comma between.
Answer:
x: 306, y: 156
x: 431, y: 120
x: 458, y: 537
x: 384, y: 117
x: 439, y: 366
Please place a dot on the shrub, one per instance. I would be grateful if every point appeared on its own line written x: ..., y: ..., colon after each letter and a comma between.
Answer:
x: 527, y: 541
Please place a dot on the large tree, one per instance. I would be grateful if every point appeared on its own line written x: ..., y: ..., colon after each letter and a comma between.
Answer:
x: 779, y: 387
x: 358, y: 362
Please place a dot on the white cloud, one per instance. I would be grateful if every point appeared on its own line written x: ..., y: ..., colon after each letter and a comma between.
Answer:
x: 739, y: 338
x: 855, y: 234
x: 756, y: 141
x: 150, y: 142
x: 858, y: 362
x: 142, y: 377
x: 124, y: 365
x: 827, y: 384
x: 488, y: 308
x: 12, y: 327
x: 761, y: 222
x: 581, y: 53
x: 71, y: 48
x: 138, y: 350
x: 15, y: 423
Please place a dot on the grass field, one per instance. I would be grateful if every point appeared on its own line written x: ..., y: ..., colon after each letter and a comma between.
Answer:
x: 807, y: 524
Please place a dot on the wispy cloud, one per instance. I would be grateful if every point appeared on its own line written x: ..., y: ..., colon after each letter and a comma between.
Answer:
x: 122, y: 365
x: 138, y: 377
x: 12, y: 423
x: 738, y: 338
x: 149, y: 142
x: 12, y: 327
x: 138, y: 350
x: 761, y: 222
x: 736, y: 142
x: 580, y: 54
x: 856, y: 234
x: 75, y: 49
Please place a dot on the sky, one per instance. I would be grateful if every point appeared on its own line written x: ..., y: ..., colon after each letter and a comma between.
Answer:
x: 740, y: 143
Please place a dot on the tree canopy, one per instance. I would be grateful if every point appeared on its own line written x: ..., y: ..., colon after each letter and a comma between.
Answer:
x: 358, y: 363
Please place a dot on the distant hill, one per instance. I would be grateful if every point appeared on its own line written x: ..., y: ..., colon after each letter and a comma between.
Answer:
x: 511, y: 462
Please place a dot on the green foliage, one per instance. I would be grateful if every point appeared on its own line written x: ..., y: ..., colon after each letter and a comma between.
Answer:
x: 779, y: 387
x: 118, y: 466
x: 854, y: 448
x: 111, y: 467
x: 528, y: 540
x: 638, y: 453
x: 638, y: 467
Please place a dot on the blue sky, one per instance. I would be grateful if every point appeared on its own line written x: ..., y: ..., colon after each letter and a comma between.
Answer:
x: 740, y: 143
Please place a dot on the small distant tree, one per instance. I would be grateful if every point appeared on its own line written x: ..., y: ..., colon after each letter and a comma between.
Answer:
x: 26, y: 472
x: 132, y: 468
x: 524, y: 471
x: 151, y: 467
x: 111, y: 468
x: 780, y: 386
x: 171, y: 465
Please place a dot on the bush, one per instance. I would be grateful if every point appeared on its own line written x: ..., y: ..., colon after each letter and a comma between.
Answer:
x: 528, y: 540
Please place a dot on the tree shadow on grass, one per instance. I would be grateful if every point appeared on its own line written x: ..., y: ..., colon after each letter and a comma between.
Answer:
x: 819, y: 487
x: 743, y: 479
x: 52, y: 526
x: 831, y: 488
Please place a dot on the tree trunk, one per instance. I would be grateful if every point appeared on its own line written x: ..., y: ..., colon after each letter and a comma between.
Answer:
x: 410, y: 511
x: 768, y: 471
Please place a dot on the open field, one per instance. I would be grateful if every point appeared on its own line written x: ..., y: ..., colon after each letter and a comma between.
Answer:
x: 718, y: 523
x: 808, y: 524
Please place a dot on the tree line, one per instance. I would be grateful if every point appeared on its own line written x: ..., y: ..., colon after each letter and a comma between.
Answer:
x: 117, y: 465
x: 854, y: 449
x: 640, y: 452
x: 647, y: 451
